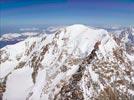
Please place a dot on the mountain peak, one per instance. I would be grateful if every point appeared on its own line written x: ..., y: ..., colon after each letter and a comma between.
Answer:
x: 75, y: 26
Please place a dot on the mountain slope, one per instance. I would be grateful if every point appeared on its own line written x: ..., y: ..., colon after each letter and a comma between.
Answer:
x: 125, y: 37
x: 76, y: 62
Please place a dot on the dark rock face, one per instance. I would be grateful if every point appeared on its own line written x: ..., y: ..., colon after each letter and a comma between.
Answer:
x: 72, y: 90
x: 2, y: 88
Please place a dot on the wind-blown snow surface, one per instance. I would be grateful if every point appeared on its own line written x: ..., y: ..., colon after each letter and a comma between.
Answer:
x: 39, y: 67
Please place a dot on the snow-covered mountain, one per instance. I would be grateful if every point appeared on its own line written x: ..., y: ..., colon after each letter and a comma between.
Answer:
x: 74, y: 63
x: 125, y: 37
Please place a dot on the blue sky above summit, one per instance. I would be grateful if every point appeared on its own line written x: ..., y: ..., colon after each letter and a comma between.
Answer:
x: 97, y: 12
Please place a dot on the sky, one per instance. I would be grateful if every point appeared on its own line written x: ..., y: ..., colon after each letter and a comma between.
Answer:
x: 60, y: 12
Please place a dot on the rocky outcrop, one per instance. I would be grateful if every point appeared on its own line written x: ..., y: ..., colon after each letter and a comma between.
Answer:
x: 72, y: 90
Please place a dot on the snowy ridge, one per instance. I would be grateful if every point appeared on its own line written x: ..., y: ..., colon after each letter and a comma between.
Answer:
x: 76, y: 62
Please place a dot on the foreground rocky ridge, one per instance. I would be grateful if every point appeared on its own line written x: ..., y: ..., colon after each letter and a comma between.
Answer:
x: 74, y: 63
